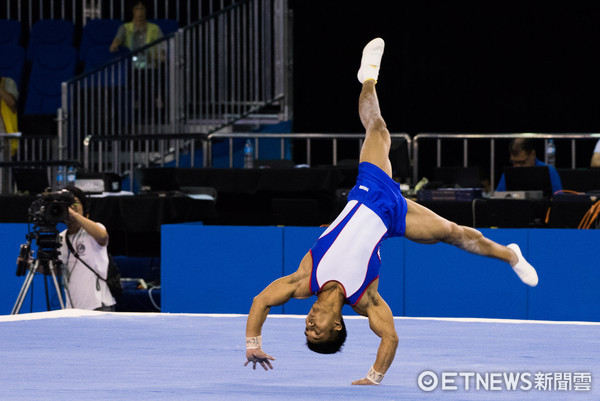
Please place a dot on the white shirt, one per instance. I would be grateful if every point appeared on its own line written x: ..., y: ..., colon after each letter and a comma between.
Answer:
x: 85, y: 290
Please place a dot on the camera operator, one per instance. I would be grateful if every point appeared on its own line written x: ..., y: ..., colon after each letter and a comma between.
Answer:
x: 89, y: 240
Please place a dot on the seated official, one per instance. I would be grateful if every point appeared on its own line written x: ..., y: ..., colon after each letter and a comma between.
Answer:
x: 522, y: 154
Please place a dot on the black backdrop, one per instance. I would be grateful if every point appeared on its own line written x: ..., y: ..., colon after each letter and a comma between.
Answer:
x: 451, y: 66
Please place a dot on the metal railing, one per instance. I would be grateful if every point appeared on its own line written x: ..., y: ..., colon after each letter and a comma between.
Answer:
x: 492, y: 138
x: 308, y: 137
x: 208, y: 75
x: 32, y: 152
x: 131, y: 159
x: 185, y: 12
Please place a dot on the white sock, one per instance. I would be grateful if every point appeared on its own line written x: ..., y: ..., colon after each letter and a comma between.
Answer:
x: 524, y: 270
x: 371, y: 60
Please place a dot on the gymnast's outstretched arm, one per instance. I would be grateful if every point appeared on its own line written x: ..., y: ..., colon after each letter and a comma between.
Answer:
x: 277, y: 293
x: 381, y: 321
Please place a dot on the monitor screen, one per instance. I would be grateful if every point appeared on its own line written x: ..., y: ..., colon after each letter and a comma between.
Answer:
x: 464, y: 177
x: 528, y: 179
x: 32, y: 180
x: 580, y: 180
x: 158, y: 179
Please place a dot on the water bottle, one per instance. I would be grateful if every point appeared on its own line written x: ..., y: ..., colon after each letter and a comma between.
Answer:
x: 60, y: 177
x: 71, y: 176
x: 249, y: 154
x: 550, y: 153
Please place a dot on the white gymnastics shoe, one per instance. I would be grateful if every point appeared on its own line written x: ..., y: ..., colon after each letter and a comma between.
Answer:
x: 371, y: 60
x: 524, y: 270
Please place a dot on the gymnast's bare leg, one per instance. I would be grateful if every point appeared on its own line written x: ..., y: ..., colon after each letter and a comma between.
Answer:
x: 423, y: 225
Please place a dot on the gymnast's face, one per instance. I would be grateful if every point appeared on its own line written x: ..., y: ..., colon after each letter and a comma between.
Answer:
x: 320, y: 325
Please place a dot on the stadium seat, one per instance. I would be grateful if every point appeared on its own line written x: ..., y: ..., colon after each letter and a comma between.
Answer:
x: 99, y: 56
x: 47, y: 32
x: 97, y: 32
x: 12, y: 62
x: 51, y: 66
x: 167, y: 26
x: 10, y: 32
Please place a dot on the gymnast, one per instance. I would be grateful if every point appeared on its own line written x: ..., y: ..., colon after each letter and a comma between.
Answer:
x: 343, y: 265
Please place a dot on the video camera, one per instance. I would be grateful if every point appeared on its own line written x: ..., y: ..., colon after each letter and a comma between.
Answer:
x: 51, y: 208
x: 45, y: 213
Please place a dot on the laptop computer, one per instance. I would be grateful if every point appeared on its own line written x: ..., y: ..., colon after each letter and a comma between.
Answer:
x: 157, y: 180
x: 31, y: 180
x: 463, y: 177
x: 580, y: 180
x: 528, y: 179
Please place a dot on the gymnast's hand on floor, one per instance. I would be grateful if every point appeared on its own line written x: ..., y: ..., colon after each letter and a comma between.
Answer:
x: 363, y: 381
x: 258, y: 355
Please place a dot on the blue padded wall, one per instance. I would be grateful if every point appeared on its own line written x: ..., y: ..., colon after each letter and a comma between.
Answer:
x: 11, y: 237
x: 298, y: 241
x: 444, y: 281
x: 416, y: 280
x: 219, y: 269
x: 391, y: 274
x: 569, y: 270
x: 213, y: 269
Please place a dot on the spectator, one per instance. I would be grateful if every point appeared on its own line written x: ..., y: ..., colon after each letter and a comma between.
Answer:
x: 89, y: 240
x: 596, y: 156
x: 522, y: 154
x: 137, y: 33
x: 9, y: 95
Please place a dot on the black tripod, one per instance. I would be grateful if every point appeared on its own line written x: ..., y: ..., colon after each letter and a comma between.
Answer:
x: 44, y: 266
x: 47, y: 262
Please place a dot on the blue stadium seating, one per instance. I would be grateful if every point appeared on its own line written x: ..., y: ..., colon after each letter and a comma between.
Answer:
x: 10, y: 32
x: 97, y: 32
x: 167, y: 26
x: 49, y: 33
x: 99, y: 56
x: 12, y: 62
x: 51, y: 66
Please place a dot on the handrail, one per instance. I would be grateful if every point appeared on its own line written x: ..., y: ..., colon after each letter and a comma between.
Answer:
x: 492, y: 138
x: 283, y: 136
x: 89, y: 140
x: 219, y: 69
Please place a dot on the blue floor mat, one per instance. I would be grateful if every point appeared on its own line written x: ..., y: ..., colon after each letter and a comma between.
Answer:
x: 79, y: 355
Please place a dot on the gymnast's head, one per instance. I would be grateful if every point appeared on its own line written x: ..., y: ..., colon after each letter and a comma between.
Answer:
x: 325, y: 331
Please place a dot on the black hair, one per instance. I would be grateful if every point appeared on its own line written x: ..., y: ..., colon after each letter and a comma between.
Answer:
x: 332, y: 346
x: 79, y: 194
x: 518, y: 145
x: 131, y: 4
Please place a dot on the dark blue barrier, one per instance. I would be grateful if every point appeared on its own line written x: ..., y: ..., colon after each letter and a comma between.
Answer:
x: 569, y: 269
x: 444, y: 281
x: 219, y: 269
x: 11, y: 237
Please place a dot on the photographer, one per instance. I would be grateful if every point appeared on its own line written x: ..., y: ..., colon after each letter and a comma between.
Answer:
x: 89, y: 240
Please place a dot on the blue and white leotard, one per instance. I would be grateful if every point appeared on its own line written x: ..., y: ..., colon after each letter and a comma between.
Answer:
x: 348, y: 251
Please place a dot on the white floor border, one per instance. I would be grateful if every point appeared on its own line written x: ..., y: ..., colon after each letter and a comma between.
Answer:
x: 87, y: 313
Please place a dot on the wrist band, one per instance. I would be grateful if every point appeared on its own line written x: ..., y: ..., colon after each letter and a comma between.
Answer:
x: 375, y: 376
x: 253, y: 342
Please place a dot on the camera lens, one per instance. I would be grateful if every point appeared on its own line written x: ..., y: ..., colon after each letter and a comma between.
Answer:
x: 55, y: 210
